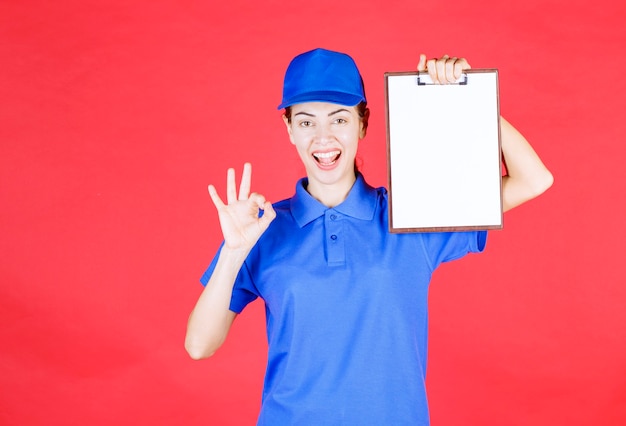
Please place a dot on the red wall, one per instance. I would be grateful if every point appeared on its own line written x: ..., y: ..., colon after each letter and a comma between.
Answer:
x: 114, y: 118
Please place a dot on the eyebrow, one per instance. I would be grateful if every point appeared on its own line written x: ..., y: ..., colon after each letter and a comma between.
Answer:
x: 329, y: 114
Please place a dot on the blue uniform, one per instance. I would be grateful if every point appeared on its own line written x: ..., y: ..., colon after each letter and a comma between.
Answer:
x: 346, y: 304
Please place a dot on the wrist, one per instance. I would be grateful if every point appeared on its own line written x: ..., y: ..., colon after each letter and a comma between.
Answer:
x: 234, y: 255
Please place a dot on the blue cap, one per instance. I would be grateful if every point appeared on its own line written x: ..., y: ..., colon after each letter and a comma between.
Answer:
x: 322, y: 75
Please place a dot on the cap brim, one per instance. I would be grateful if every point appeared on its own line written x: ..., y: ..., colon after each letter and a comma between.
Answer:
x: 339, y: 98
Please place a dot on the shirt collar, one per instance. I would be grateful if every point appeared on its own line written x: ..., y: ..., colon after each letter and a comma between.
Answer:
x: 359, y: 204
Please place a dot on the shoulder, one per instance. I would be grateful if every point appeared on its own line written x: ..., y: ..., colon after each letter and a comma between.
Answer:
x: 283, y: 212
x: 367, y: 191
x: 282, y: 205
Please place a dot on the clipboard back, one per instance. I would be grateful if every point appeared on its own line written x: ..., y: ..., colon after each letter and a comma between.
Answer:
x: 443, y: 153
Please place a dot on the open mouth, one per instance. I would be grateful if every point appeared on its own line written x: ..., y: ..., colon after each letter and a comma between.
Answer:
x: 327, y: 158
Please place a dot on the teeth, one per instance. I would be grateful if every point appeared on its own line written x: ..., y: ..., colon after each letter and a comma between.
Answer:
x: 326, y: 154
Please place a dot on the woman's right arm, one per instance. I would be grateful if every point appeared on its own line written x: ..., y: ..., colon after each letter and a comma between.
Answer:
x: 241, y: 225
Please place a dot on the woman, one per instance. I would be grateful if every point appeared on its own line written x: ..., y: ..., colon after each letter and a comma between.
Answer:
x: 346, y: 301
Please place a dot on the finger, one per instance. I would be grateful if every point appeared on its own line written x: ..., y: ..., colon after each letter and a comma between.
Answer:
x: 244, y: 186
x: 421, y: 65
x: 441, y: 69
x: 450, y: 66
x: 257, y: 200
x: 231, y: 190
x: 431, y: 67
x: 269, y: 214
x: 460, y: 66
x: 217, y: 201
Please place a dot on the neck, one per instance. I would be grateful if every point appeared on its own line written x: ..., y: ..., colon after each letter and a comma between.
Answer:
x: 331, y: 195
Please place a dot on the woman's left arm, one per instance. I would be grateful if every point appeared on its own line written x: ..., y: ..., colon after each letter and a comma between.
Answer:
x: 527, y: 176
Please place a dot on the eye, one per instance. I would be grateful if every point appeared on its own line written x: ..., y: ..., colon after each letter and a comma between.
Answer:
x: 305, y: 123
x: 340, y: 121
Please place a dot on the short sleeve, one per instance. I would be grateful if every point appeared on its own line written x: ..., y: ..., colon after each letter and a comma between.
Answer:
x: 244, y: 290
x: 446, y: 246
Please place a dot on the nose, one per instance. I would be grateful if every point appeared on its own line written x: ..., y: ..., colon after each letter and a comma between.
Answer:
x: 324, y: 135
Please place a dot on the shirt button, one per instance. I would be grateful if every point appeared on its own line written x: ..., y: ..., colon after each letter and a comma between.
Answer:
x: 333, y: 216
x: 333, y: 237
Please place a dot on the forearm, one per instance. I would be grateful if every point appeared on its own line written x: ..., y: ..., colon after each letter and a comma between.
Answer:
x: 527, y: 176
x: 211, y: 318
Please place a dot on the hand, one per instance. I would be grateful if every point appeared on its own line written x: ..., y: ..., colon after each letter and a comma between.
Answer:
x: 443, y: 70
x: 239, y: 219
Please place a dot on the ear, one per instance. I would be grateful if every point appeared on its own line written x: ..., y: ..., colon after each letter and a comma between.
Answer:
x: 288, y: 125
x: 364, y: 122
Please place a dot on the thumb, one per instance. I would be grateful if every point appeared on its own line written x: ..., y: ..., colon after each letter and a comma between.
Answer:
x: 421, y: 65
x: 268, y: 215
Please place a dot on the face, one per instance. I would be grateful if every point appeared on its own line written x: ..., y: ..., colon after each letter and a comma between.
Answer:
x: 326, y: 137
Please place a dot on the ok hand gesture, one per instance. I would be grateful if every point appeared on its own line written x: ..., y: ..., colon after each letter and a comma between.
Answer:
x: 239, y: 219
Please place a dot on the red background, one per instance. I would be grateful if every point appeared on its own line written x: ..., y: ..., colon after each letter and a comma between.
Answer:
x: 114, y: 117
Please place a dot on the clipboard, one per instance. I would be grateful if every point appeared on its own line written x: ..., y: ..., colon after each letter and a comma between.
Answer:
x: 443, y: 152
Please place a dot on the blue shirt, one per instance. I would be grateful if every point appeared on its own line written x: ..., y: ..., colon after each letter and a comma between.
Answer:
x: 346, y: 305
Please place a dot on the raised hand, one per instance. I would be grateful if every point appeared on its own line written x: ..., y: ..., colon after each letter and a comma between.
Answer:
x: 239, y: 218
x: 443, y: 70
